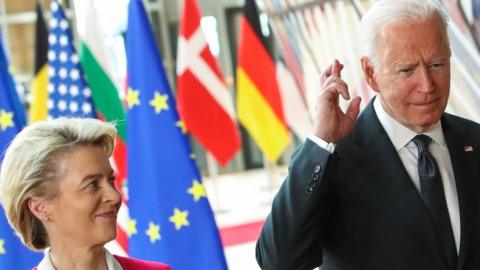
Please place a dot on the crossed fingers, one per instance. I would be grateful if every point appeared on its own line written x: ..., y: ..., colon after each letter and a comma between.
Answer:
x: 336, y: 85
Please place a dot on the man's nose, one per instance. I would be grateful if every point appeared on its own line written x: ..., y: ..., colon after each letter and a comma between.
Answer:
x: 425, y: 81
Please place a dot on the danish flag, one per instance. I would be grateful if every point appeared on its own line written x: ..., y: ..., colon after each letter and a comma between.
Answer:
x: 204, y: 101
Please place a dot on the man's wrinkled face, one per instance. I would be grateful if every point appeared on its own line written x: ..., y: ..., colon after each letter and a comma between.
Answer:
x: 412, y: 75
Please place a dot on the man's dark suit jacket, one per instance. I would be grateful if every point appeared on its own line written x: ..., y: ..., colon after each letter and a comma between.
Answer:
x: 358, y: 208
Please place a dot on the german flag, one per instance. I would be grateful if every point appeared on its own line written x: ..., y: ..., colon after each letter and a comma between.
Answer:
x: 259, y: 101
x: 38, y: 109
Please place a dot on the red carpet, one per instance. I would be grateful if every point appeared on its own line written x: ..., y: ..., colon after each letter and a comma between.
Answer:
x: 240, y: 234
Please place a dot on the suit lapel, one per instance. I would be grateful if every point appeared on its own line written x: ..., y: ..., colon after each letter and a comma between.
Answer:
x: 377, y: 155
x: 466, y: 172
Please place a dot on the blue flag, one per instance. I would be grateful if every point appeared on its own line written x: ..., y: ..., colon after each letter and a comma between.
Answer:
x: 69, y: 94
x: 13, y: 254
x: 170, y: 217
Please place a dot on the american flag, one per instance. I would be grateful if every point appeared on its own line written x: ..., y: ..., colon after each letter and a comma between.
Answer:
x: 69, y: 94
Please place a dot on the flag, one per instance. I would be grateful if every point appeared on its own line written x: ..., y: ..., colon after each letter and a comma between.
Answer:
x: 13, y: 254
x: 289, y: 52
x: 296, y: 112
x: 94, y: 62
x: 68, y: 92
x: 204, y: 101
x: 259, y: 102
x: 107, y: 103
x: 171, y: 220
x: 38, y: 108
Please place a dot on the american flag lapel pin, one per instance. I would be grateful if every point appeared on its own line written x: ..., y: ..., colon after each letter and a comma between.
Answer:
x: 468, y: 148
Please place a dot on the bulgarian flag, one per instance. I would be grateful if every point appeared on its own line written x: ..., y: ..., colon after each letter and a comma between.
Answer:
x: 107, y: 101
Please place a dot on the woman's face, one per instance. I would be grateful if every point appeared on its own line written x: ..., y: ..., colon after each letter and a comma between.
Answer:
x: 84, y: 211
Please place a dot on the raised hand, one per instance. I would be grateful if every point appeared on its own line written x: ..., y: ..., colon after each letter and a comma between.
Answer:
x: 330, y: 123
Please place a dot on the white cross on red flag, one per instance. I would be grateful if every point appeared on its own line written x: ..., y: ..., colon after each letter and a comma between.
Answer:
x: 204, y: 101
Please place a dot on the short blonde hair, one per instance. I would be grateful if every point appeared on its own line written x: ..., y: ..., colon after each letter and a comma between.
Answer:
x: 29, y: 165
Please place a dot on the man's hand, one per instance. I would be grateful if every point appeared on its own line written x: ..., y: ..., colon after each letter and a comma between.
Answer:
x: 331, y: 124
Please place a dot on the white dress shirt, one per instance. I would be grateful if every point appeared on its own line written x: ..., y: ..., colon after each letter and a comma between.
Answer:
x: 401, y: 138
x: 47, y: 264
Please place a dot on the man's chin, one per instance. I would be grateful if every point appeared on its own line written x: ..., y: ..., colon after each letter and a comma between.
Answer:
x: 425, y: 125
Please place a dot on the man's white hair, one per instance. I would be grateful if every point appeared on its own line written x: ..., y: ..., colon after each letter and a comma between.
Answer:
x: 387, y: 12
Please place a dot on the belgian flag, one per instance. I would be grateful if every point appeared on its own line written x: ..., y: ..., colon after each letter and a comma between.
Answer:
x: 38, y: 108
x: 259, y: 102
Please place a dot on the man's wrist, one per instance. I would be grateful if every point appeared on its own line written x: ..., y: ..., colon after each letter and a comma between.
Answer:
x: 330, y: 147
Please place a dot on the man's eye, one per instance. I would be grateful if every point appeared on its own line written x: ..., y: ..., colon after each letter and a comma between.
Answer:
x: 406, y: 70
x: 436, y: 65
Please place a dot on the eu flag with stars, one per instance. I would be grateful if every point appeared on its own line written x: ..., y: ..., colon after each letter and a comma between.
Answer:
x: 68, y: 92
x: 170, y: 218
x: 13, y: 254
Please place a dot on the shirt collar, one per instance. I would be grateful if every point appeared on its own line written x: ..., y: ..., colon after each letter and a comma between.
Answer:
x: 401, y: 135
x: 47, y: 264
x: 112, y: 263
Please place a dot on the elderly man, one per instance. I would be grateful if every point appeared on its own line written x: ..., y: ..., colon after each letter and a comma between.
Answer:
x: 397, y: 188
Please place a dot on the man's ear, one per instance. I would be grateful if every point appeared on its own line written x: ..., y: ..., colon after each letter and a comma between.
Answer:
x: 368, y: 74
x: 38, y: 208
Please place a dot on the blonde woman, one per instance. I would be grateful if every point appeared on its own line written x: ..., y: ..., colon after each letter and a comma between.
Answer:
x: 57, y: 189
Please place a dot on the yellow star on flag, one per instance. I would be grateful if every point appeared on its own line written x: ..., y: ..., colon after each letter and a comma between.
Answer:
x: 182, y: 126
x: 2, y: 248
x: 131, y: 227
x: 132, y: 98
x: 153, y: 232
x: 197, y: 190
x: 5, y: 119
x: 179, y: 218
x: 159, y: 102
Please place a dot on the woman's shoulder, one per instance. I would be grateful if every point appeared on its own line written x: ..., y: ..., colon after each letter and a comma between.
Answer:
x: 134, y: 264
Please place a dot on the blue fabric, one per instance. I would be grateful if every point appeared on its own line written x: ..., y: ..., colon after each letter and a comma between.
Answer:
x: 160, y: 167
x: 9, y: 103
x: 476, y: 10
x: 13, y: 254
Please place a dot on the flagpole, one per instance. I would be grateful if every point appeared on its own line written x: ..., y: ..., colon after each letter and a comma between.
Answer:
x: 4, y: 31
x: 213, y: 175
x: 167, y: 54
x: 270, y: 169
